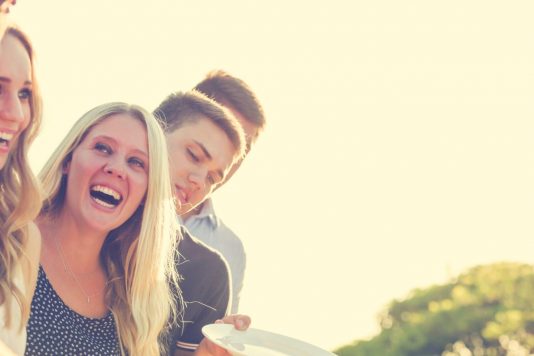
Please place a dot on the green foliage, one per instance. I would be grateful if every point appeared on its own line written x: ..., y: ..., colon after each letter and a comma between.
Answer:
x: 489, y: 310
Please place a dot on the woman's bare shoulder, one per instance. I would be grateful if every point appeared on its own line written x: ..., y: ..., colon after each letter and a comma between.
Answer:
x: 33, y: 254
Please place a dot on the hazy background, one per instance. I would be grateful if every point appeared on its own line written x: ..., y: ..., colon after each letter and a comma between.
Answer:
x: 398, y: 150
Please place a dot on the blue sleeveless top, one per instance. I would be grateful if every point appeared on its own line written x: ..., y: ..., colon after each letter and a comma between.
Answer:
x: 55, y: 329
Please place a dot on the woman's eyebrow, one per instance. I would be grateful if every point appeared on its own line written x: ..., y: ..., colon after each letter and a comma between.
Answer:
x: 8, y: 80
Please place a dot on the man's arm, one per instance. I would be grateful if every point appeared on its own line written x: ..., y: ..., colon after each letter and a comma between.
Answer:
x: 180, y: 352
x: 238, y: 277
x: 206, y: 291
x: 201, y: 312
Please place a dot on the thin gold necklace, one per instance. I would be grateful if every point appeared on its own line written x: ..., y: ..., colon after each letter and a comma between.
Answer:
x: 69, y: 271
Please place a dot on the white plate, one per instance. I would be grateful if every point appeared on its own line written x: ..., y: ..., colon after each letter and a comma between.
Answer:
x: 256, y: 342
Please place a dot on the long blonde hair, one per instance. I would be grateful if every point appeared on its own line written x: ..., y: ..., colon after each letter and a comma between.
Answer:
x: 20, y: 200
x: 138, y: 256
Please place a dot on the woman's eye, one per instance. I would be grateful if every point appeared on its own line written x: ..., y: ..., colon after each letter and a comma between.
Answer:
x: 137, y: 162
x: 193, y: 156
x: 25, y: 94
x: 102, y: 148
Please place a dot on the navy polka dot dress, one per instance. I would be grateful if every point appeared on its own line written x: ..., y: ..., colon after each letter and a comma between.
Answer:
x: 55, y: 329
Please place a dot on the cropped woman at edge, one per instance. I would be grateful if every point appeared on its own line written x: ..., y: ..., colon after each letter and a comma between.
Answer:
x: 20, y: 117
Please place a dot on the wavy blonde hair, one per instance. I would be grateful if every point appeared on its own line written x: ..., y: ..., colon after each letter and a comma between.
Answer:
x: 138, y: 256
x: 20, y: 199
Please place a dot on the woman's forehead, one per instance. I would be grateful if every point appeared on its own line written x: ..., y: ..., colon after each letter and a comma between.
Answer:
x: 122, y: 128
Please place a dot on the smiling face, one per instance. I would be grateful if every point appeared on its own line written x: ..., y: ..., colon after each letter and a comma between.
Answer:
x: 15, y: 94
x: 200, y: 157
x: 108, y: 173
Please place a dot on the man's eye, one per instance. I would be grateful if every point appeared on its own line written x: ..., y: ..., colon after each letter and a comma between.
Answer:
x: 102, y: 147
x: 193, y: 156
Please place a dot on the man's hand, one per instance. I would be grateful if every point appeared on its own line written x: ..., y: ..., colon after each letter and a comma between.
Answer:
x: 208, y: 348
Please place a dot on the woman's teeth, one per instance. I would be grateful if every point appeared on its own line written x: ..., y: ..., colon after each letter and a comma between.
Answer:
x: 5, y: 137
x: 105, y: 196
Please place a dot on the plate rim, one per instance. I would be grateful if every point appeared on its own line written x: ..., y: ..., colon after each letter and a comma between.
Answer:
x: 228, y: 327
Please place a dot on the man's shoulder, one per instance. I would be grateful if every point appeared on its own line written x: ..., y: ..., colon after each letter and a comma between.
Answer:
x: 192, y: 250
x: 204, y: 278
x: 205, y: 288
x: 227, y: 235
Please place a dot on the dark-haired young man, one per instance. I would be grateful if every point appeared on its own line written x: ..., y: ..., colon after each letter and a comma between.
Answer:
x: 204, y: 141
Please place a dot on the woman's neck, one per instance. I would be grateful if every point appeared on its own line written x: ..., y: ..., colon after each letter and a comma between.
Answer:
x: 78, y: 246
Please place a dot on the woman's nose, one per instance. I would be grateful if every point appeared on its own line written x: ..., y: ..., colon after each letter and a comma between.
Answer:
x: 114, y: 168
x: 11, y: 109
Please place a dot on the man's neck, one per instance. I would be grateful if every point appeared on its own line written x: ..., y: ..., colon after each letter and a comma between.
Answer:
x: 193, y: 212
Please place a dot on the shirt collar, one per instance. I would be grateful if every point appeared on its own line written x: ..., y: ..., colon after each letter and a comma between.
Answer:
x: 207, y: 212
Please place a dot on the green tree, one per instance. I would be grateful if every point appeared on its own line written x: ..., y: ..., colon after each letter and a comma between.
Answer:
x: 489, y: 310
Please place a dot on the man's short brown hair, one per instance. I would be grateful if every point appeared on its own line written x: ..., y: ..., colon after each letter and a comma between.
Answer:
x: 180, y: 108
x: 227, y: 89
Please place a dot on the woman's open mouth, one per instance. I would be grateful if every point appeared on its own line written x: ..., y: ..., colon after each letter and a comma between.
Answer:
x: 5, y: 139
x: 105, y: 196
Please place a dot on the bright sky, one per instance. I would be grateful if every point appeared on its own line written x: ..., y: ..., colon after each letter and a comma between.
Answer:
x: 399, y: 147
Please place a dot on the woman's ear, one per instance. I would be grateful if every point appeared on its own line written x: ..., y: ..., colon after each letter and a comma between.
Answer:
x: 66, y: 167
